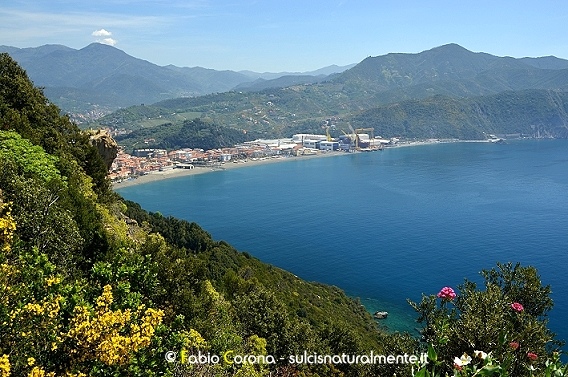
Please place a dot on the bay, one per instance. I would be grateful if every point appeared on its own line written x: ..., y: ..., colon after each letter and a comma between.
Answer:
x: 390, y: 225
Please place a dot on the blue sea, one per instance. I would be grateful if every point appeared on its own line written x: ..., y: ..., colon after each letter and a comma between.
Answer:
x: 391, y: 225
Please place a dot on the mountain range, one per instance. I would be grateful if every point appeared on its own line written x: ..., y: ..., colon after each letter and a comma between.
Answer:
x: 447, y: 91
x: 103, y: 75
x: 444, y: 92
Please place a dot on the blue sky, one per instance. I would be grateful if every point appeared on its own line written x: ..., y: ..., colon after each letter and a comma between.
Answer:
x: 291, y: 35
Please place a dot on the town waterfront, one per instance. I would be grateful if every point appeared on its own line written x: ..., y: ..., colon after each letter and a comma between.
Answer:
x: 391, y: 225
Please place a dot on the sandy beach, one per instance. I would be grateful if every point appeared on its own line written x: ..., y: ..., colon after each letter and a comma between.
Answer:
x: 173, y: 173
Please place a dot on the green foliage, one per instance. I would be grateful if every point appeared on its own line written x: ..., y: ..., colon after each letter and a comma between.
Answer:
x: 521, y: 285
x: 180, y: 233
x: 30, y: 159
x: 46, y: 162
x: 24, y: 109
x: 55, y: 213
x: 189, y: 134
x: 493, y: 320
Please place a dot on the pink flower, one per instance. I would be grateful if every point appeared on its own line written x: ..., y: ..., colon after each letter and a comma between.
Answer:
x: 532, y: 356
x: 517, y: 307
x: 447, y: 293
x: 514, y: 345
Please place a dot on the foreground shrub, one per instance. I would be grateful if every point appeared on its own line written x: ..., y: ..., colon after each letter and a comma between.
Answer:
x: 500, y: 330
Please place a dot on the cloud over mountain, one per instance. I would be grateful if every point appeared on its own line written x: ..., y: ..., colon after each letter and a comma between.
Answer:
x: 107, y: 37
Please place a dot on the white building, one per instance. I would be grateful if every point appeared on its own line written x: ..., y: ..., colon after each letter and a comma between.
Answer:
x: 310, y: 143
x: 328, y: 145
x: 225, y: 157
x: 299, y: 138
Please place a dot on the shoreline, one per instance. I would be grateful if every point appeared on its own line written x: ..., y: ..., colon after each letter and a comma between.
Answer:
x: 175, y: 173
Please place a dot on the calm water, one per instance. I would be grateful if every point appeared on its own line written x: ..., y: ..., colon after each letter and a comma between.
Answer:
x: 391, y: 225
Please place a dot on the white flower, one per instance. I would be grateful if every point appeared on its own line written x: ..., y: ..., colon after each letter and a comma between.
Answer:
x: 480, y: 354
x: 464, y: 360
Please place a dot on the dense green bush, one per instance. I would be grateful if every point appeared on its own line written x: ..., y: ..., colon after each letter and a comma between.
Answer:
x: 507, y: 320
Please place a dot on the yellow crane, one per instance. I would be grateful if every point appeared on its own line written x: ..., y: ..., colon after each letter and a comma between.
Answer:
x: 327, y: 133
x: 352, y: 137
x: 355, y: 138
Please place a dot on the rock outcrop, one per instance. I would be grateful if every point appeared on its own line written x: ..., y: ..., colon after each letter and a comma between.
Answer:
x: 105, y: 144
x: 381, y: 315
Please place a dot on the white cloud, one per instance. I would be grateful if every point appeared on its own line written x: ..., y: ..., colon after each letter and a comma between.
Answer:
x: 76, y: 28
x: 101, y: 33
x: 104, y: 33
x: 108, y: 41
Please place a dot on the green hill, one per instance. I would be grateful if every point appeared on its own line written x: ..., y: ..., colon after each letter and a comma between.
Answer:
x: 189, y: 134
x: 532, y: 113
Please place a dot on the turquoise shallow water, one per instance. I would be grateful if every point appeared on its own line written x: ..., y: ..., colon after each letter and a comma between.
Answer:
x: 391, y: 225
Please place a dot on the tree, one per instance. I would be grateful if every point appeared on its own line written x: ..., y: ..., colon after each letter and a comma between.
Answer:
x: 25, y: 109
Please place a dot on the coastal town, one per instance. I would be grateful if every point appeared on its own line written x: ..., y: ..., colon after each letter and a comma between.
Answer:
x: 141, y: 162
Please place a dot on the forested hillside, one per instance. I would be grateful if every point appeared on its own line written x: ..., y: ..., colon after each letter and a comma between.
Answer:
x: 189, y: 134
x: 92, y: 285
x: 113, y: 288
x: 532, y: 113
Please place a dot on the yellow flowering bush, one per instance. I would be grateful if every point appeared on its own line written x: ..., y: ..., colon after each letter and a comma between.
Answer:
x: 111, y: 335
x: 43, y: 330
x: 39, y: 372
x: 7, y: 226
x: 4, y: 366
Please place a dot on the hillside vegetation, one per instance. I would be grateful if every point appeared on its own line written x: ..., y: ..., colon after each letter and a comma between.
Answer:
x: 93, y: 285
x: 113, y: 288
x: 532, y: 113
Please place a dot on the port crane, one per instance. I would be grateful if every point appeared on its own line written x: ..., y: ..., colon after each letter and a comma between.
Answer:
x: 352, y: 138
x: 357, y: 141
x: 370, y: 131
x: 328, y: 136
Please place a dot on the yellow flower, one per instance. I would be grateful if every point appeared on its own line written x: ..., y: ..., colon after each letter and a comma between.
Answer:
x: 106, y: 298
x: 110, y: 336
x: 31, y: 361
x: 52, y: 280
x: 7, y: 227
x: 34, y: 308
x: 4, y: 366
x: 37, y: 372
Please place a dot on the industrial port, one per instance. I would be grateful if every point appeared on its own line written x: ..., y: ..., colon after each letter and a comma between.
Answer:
x: 146, y: 160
